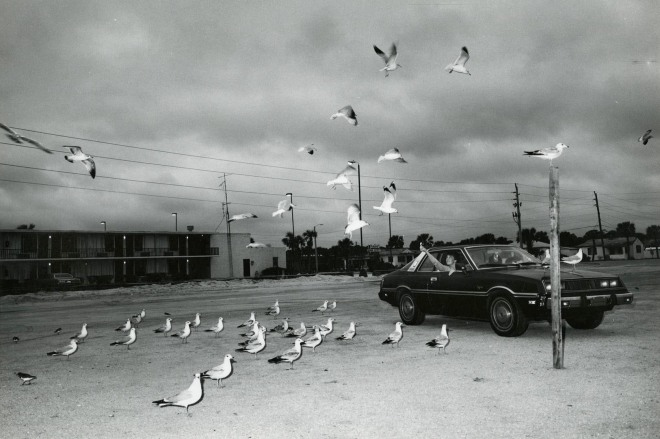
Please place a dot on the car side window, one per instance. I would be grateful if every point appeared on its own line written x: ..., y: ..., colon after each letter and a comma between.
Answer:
x: 427, y: 265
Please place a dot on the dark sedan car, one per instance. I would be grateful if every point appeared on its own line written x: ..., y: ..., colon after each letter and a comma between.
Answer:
x: 500, y: 283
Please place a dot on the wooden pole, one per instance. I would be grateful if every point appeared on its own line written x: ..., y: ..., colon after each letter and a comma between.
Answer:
x: 555, y: 278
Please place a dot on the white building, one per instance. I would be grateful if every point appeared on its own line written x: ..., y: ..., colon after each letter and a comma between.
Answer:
x: 615, y: 249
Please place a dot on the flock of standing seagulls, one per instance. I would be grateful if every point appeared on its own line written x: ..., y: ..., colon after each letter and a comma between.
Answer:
x: 254, y: 342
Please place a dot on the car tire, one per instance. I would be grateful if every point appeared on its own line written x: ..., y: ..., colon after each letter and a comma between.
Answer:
x: 587, y: 321
x: 409, y: 310
x: 506, y: 317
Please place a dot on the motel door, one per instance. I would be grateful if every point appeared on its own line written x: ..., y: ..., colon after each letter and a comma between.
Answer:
x: 246, y: 268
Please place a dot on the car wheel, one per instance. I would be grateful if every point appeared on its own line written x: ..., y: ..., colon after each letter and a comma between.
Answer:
x: 587, y: 321
x: 506, y: 317
x: 409, y: 310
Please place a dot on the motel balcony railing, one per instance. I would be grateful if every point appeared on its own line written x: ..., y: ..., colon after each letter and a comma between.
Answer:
x: 93, y: 253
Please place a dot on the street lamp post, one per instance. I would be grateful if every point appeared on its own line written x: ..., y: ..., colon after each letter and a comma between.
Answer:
x: 316, y: 254
x: 176, y: 221
x: 293, y: 231
x: 293, y: 225
x: 355, y: 162
x: 104, y: 226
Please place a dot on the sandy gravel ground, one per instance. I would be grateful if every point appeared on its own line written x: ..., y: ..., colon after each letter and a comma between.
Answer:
x: 485, y: 386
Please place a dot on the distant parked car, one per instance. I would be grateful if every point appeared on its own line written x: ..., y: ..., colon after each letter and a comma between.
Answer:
x: 65, y: 279
x: 502, y: 284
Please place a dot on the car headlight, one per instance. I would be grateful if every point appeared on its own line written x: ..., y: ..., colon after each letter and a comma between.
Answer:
x: 604, y: 284
x: 614, y: 283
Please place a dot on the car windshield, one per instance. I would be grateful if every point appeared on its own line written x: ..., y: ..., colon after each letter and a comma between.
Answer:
x: 494, y: 256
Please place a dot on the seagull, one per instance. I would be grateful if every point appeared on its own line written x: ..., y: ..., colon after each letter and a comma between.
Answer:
x: 573, y: 259
x: 15, y: 339
x: 241, y: 216
x: 282, y: 328
x: 256, y: 245
x: 25, y: 377
x: 19, y: 138
x: 222, y: 371
x: 298, y: 332
x: 80, y: 336
x: 125, y: 327
x: 546, y: 257
x: 348, y: 113
x: 284, y: 206
x: 441, y: 341
x: 252, y: 333
x: 217, y: 329
x: 274, y: 305
x: 349, y: 334
x: 332, y: 306
x: 323, y: 308
x: 390, y: 60
x: 143, y: 313
x: 459, y: 64
x: 644, y: 138
x: 314, y: 340
x: 137, y: 319
x: 393, y: 155
x: 354, y: 221
x: 128, y: 340
x: 248, y: 322
x: 191, y: 396
x: 79, y: 156
x: 257, y: 346
x: 396, y: 336
x: 167, y: 327
x: 70, y: 349
x: 327, y: 328
x: 290, y: 355
x: 342, y: 178
x: 308, y: 149
x: 386, y: 205
x: 184, y: 333
x: 58, y: 331
x: 549, y: 153
x: 196, y: 322
x: 273, y: 312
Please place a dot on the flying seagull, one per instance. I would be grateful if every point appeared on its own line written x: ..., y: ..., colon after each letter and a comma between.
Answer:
x: 78, y: 156
x: 241, y: 216
x: 353, y: 220
x: 127, y: 341
x: 290, y: 355
x: 459, y: 64
x: 441, y: 341
x: 256, y: 245
x: 349, y: 334
x: 644, y: 138
x: 68, y: 350
x: 390, y: 196
x: 396, y: 336
x: 308, y: 149
x: 222, y: 371
x: 19, y: 138
x: 165, y: 328
x: 25, y: 377
x: 284, y: 206
x: 392, y: 155
x: 549, y: 153
x: 191, y: 396
x: 348, y: 113
x: 342, y: 178
x: 390, y: 60
x: 573, y: 259
x: 217, y: 329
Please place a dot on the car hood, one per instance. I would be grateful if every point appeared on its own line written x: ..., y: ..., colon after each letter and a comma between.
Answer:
x: 544, y: 273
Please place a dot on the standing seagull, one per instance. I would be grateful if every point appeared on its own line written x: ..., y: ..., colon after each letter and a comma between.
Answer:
x: 323, y: 308
x: 274, y: 311
x: 392, y: 155
x: 248, y: 322
x: 217, y: 329
x: 79, y: 156
x: 196, y: 322
x: 128, y: 340
x: 241, y: 216
x: 125, y: 327
x: 459, y: 64
x: 353, y: 220
x: 327, y: 328
x: 549, y: 153
x: 441, y: 341
x: 347, y: 113
x: 314, y: 340
x: 184, y: 333
x: 386, y: 205
x: 290, y: 355
x: 18, y: 138
x: 80, y: 336
x: 284, y: 206
x: 332, y: 305
x: 298, y: 332
x: 644, y: 138
x: 573, y: 259
x: 546, y: 257
x: 349, y: 334
x: 191, y: 396
x: 25, y: 377
x: 65, y: 351
x: 396, y: 336
x: 167, y: 327
x: 390, y: 60
x: 308, y: 149
x: 257, y: 346
x: 282, y: 328
x: 222, y: 371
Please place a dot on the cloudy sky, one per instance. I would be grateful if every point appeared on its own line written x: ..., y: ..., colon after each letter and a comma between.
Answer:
x: 170, y: 96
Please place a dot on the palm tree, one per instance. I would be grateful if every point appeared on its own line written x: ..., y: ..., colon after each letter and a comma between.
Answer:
x: 308, y: 242
x: 345, y: 248
x: 396, y: 241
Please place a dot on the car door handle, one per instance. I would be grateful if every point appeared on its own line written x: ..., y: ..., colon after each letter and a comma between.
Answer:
x: 434, y: 279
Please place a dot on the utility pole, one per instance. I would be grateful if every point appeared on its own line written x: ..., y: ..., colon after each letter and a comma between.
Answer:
x: 555, y: 277
x: 600, y: 227
x: 516, y: 215
x: 225, y: 206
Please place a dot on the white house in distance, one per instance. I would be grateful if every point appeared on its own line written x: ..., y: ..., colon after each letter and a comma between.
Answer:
x: 615, y: 249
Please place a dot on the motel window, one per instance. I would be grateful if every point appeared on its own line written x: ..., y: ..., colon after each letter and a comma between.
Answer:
x: 275, y: 262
